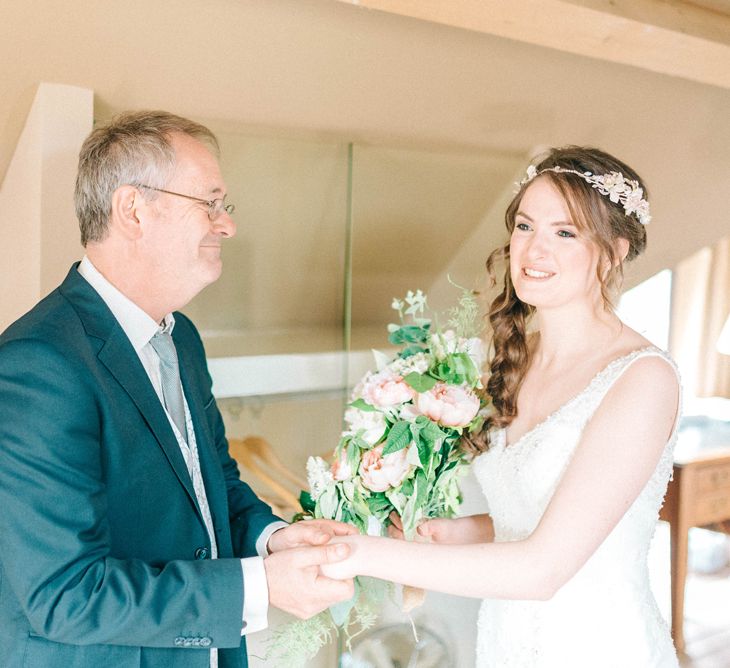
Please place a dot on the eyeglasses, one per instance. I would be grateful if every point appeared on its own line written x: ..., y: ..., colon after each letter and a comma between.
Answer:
x: 216, y: 207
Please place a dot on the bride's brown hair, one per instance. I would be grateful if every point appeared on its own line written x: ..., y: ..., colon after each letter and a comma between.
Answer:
x: 603, y: 222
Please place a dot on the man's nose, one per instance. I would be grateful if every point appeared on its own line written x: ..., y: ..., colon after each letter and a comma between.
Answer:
x: 224, y: 225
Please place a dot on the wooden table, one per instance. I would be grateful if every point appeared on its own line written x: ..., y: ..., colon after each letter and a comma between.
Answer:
x: 699, y: 495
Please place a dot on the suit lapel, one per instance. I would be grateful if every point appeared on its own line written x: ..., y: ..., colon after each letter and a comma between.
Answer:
x: 130, y: 374
x: 118, y: 356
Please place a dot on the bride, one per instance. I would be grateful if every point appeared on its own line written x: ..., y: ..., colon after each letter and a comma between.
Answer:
x: 575, y: 456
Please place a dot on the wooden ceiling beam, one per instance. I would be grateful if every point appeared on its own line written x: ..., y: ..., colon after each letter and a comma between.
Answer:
x: 681, y: 39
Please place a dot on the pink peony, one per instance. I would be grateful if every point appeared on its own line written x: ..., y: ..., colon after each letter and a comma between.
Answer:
x: 449, y: 405
x: 385, y: 389
x: 341, y: 470
x: 378, y: 473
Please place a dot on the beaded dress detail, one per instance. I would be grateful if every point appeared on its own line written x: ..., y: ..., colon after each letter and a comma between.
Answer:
x: 606, y: 615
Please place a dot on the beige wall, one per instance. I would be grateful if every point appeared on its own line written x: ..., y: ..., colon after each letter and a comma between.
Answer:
x: 40, y: 234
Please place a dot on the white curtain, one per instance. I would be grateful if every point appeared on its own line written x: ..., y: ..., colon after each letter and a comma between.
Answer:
x: 700, y: 307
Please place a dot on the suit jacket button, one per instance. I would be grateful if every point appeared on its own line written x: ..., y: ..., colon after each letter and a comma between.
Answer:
x: 201, y: 553
x: 206, y: 642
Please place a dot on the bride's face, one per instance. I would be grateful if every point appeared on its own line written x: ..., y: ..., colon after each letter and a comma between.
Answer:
x: 552, y: 263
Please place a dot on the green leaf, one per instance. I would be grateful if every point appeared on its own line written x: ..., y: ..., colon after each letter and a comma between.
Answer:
x: 424, y: 454
x: 415, y: 430
x: 430, y: 431
x: 409, y: 334
x: 306, y: 502
x: 420, y: 382
x: 421, y: 488
x: 411, y: 350
x: 363, y: 405
x: 399, y: 437
x: 464, y: 366
x: 327, y: 503
x: 341, y: 611
x: 398, y: 499
x: 379, y: 504
x: 359, y: 505
x: 407, y: 487
x: 353, y: 456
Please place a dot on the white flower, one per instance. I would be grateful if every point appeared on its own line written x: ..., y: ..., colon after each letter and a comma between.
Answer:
x: 397, y: 305
x: 416, y: 302
x: 475, y: 348
x: 374, y: 528
x: 319, y: 476
x: 409, y: 412
x: 418, y: 363
x: 633, y: 200
x: 443, y: 344
x: 642, y: 212
x: 372, y: 424
x: 614, y: 185
x: 448, y: 343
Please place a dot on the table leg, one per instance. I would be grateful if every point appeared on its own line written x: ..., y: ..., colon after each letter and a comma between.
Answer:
x: 679, y: 535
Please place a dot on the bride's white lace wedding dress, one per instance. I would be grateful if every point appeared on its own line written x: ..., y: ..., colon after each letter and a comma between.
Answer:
x: 606, y: 615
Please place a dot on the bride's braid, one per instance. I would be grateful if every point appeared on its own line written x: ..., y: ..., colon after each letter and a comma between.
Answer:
x: 508, y: 317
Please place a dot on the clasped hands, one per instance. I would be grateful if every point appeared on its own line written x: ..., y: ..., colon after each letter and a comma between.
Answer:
x: 293, y: 569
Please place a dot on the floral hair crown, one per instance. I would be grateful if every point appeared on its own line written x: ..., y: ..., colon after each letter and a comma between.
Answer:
x: 618, y: 189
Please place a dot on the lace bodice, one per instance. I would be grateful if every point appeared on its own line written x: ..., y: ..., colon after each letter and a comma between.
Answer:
x: 606, y: 614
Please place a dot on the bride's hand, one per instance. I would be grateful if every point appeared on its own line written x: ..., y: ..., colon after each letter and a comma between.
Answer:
x: 350, y: 567
x: 457, y: 531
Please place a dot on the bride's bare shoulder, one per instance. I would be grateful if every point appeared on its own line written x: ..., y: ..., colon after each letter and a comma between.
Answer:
x: 629, y: 341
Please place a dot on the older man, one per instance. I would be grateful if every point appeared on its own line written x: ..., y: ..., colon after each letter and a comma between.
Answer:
x: 128, y: 539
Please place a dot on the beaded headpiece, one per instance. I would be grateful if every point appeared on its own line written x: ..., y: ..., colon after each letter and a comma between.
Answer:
x: 613, y: 185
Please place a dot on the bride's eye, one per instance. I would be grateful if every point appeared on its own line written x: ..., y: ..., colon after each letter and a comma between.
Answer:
x: 522, y: 226
x: 566, y: 234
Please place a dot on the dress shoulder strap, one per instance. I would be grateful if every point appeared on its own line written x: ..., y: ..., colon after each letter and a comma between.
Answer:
x: 605, y: 379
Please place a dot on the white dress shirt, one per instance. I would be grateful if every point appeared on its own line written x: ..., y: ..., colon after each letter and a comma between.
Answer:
x: 140, y: 328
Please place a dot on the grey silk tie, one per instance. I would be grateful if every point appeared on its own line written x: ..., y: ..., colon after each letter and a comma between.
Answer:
x: 170, y: 378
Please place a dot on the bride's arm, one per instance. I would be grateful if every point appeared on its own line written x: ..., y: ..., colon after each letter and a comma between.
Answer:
x: 617, y: 454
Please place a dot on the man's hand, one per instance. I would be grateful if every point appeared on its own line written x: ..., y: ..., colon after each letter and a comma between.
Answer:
x: 296, y: 584
x: 308, y: 532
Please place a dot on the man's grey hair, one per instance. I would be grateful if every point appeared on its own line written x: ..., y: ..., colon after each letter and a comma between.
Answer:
x: 134, y: 148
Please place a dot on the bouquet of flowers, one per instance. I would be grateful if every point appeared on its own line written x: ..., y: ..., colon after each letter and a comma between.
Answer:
x: 400, y: 448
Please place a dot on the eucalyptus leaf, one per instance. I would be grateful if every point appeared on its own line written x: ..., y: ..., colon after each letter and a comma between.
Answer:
x: 409, y: 334
x: 363, y: 405
x: 327, y: 503
x: 411, y: 350
x: 341, y: 611
x: 420, y: 382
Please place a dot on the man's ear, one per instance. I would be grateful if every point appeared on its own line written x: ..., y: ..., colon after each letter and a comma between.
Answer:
x: 622, y: 249
x: 126, y: 201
